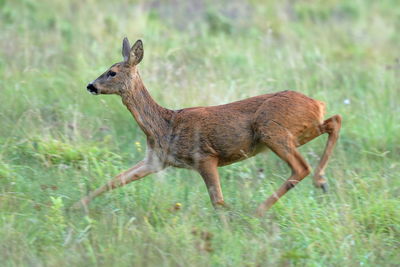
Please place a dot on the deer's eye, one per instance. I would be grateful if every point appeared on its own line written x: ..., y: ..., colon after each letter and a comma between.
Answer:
x: 112, y: 73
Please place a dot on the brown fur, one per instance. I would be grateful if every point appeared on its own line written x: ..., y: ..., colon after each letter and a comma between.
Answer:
x: 204, y: 138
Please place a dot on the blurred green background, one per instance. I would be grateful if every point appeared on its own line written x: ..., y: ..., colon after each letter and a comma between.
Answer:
x: 57, y: 142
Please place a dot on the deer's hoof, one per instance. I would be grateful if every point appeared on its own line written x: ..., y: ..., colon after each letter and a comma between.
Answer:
x: 325, y: 187
x: 81, y: 204
x: 76, y: 206
x: 221, y: 206
x: 260, y: 212
x: 320, y: 181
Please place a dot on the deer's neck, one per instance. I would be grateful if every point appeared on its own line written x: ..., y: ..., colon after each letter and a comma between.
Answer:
x: 153, y: 119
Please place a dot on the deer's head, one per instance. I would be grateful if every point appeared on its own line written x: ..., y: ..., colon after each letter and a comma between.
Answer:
x: 115, y: 80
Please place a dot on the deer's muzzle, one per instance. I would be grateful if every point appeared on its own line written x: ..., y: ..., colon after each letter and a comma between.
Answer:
x: 92, y: 89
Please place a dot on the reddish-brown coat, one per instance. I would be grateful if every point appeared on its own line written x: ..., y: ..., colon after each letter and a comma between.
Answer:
x: 204, y: 138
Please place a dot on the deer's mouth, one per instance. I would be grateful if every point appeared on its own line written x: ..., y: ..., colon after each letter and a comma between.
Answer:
x: 92, y: 89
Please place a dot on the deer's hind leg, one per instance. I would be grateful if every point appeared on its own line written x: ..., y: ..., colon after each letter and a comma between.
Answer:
x: 332, y: 127
x: 282, y: 143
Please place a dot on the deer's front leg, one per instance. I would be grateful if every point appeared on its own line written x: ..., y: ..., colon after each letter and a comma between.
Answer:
x: 209, y: 171
x: 138, y: 171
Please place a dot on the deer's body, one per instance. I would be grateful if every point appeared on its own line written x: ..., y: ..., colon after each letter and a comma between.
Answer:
x: 232, y: 132
x: 204, y: 138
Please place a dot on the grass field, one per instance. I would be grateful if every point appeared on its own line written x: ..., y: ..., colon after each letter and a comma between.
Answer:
x: 57, y: 142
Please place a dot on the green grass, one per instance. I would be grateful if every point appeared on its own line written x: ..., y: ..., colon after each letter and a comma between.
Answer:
x: 57, y: 142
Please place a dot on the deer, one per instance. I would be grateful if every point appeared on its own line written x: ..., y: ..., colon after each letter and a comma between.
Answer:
x: 205, y: 138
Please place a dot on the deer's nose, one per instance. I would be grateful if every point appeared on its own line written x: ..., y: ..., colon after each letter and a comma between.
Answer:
x: 92, y: 89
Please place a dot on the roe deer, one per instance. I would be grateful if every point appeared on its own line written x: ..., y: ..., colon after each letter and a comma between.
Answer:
x: 204, y: 138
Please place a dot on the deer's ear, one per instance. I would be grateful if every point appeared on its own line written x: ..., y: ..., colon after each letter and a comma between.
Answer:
x: 126, y: 49
x: 136, y: 53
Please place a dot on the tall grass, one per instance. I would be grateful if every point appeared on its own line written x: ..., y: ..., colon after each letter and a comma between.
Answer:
x: 57, y: 142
